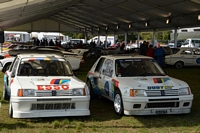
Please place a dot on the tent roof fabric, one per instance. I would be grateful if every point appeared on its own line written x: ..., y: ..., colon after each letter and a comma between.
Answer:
x: 97, y: 16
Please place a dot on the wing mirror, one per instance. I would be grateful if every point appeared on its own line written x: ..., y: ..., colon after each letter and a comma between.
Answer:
x: 12, y: 75
x: 5, y: 68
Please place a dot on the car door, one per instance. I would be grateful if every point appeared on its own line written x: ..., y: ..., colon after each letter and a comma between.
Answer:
x: 196, y: 57
x: 187, y: 56
x: 12, y: 71
x: 105, y: 78
x: 97, y: 71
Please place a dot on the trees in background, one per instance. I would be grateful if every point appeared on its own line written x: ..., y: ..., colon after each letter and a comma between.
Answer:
x: 162, y: 36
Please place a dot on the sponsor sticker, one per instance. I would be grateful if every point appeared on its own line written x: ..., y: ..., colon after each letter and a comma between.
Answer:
x: 158, y: 87
x: 52, y: 87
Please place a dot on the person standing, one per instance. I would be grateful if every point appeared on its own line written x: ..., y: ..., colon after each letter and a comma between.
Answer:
x: 51, y: 43
x: 159, y: 55
x: 150, y: 51
x: 122, y: 46
x: 143, y: 48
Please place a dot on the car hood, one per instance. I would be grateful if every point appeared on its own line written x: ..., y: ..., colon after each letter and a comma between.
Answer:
x: 151, y: 83
x: 36, y: 82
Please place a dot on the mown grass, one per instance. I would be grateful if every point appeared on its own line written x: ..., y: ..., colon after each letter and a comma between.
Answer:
x: 103, y: 119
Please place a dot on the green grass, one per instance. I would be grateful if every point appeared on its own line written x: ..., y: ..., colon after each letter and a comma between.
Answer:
x: 103, y: 118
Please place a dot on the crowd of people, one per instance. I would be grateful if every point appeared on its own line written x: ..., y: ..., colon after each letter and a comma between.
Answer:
x: 157, y: 53
x: 45, y: 42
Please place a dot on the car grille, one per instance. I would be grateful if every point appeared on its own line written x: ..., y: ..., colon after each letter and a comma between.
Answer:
x: 53, y: 93
x: 52, y: 106
x: 163, y: 103
x: 170, y: 92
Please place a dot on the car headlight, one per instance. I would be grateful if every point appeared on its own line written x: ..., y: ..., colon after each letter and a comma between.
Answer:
x: 79, y: 92
x: 26, y: 92
x: 184, y: 91
x: 138, y: 93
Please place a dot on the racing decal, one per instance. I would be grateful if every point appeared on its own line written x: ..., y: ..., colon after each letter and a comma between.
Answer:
x: 32, y: 59
x: 52, y: 87
x: 159, y: 87
x: 160, y: 80
x: 126, y: 91
x: 115, y: 82
x: 92, y: 74
x: 140, y: 78
x: 12, y: 80
x: 106, y: 88
x: 94, y: 85
x: 60, y: 81
x: 198, y: 60
x: 39, y: 79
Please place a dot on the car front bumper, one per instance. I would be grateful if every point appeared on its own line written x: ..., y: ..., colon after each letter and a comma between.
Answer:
x: 157, y: 105
x: 33, y: 107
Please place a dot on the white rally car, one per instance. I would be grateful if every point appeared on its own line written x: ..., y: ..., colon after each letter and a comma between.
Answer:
x: 138, y: 86
x: 74, y: 61
x: 184, y: 57
x: 43, y: 85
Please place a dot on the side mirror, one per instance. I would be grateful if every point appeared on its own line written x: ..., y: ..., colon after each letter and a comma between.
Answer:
x: 12, y: 75
x: 75, y: 73
x: 5, y: 68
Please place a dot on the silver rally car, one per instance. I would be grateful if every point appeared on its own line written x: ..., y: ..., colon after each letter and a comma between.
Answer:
x: 43, y: 85
x: 138, y: 86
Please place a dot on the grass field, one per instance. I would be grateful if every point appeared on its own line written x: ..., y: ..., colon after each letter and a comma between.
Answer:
x: 103, y: 118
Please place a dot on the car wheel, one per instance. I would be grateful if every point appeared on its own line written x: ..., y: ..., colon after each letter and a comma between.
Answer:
x: 10, y: 112
x: 179, y: 64
x: 5, y: 94
x: 92, y: 94
x: 118, y: 103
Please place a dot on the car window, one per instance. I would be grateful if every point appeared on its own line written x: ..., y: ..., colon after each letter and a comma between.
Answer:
x: 12, y: 64
x: 186, y: 52
x: 186, y: 42
x: 15, y: 66
x: 99, y: 65
x: 108, y: 68
x: 44, y: 67
x: 137, y: 67
x: 196, y: 51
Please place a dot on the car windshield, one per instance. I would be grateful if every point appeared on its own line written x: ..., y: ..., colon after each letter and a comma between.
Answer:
x: 138, y: 67
x: 44, y: 67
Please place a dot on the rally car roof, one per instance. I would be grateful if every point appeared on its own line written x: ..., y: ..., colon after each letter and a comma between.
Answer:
x: 125, y: 56
x: 33, y: 51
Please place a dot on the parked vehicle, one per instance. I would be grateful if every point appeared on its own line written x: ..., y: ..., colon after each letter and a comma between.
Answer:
x: 184, y: 57
x: 39, y: 84
x: 72, y: 43
x: 192, y: 42
x: 131, y: 46
x: 23, y: 46
x: 179, y: 43
x: 75, y: 62
x: 137, y: 85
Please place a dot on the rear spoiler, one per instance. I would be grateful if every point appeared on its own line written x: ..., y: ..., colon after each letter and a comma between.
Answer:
x: 15, y: 52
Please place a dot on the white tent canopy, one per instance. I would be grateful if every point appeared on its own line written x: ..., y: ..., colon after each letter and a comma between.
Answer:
x: 97, y: 16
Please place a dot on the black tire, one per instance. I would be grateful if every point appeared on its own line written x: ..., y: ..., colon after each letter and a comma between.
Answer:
x: 10, y: 112
x: 179, y: 64
x: 5, y: 95
x: 92, y: 94
x: 118, y: 103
